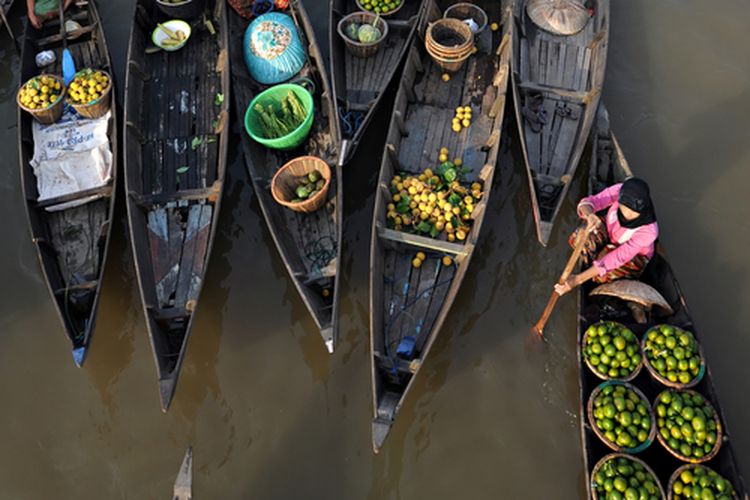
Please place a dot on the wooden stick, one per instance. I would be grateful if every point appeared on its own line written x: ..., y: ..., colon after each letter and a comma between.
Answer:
x: 7, y: 25
x: 538, y: 328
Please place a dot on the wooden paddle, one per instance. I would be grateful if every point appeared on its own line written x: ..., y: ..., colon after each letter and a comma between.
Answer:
x: 68, y: 65
x: 581, y: 239
x: 7, y: 25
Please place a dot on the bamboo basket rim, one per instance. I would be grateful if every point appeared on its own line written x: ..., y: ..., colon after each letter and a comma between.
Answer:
x: 447, y: 13
x: 590, y: 414
x: 178, y: 4
x: 459, y: 26
x: 310, y: 202
x: 632, y: 375
x: 610, y: 456
x: 684, y: 467
x: 63, y: 91
x: 662, y: 379
x: 348, y: 17
x: 105, y: 93
x: 719, y: 431
x: 389, y: 13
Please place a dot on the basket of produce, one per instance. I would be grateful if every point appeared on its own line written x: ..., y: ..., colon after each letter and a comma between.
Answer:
x: 42, y: 98
x: 273, y: 50
x: 624, y: 476
x: 181, y: 9
x: 89, y: 93
x: 673, y: 356
x: 471, y: 14
x: 171, y: 35
x: 433, y: 203
x: 621, y: 417
x: 611, y: 351
x: 687, y: 425
x: 302, y: 184
x: 382, y: 7
x: 363, y: 33
x: 280, y: 117
x: 699, y: 481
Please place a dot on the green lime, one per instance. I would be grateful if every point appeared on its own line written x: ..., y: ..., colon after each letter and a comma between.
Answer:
x: 620, y: 484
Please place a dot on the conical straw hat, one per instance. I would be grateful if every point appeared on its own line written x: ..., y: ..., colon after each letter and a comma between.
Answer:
x: 634, y: 291
x: 561, y: 17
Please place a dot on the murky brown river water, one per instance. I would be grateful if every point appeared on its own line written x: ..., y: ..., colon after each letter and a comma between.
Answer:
x: 272, y: 416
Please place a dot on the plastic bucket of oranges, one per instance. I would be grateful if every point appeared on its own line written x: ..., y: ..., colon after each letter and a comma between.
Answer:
x: 42, y: 97
x: 89, y: 92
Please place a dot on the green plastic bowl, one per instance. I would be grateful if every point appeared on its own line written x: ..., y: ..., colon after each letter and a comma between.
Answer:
x: 273, y: 96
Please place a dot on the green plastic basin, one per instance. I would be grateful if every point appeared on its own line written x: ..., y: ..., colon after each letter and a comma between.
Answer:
x: 273, y: 96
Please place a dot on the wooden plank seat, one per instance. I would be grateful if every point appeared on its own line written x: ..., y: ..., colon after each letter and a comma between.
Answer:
x: 99, y: 192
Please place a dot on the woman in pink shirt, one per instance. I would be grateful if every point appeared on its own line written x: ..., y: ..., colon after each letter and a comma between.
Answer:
x: 624, y: 249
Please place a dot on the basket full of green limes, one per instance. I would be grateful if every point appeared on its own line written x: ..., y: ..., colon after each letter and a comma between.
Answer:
x: 383, y: 7
x: 621, y: 417
x: 621, y: 476
x: 687, y: 425
x: 673, y: 356
x: 699, y: 481
x: 611, y: 351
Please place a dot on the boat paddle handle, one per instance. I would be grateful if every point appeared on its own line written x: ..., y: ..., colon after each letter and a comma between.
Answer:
x: 581, y: 238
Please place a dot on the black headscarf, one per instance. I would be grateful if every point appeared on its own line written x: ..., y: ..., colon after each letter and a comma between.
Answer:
x: 636, y: 196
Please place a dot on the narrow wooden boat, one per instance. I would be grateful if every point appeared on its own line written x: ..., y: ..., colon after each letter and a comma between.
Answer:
x: 557, y: 81
x: 359, y: 83
x: 72, y: 243
x: 413, y: 302
x: 176, y: 114
x: 608, y: 166
x: 183, y: 485
x: 309, y: 244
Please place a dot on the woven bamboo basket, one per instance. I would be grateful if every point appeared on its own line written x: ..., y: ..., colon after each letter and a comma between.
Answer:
x: 285, y: 181
x: 51, y: 113
x: 630, y: 377
x: 187, y: 9
x: 676, y: 474
x: 600, y: 434
x: 665, y: 381
x: 98, y: 108
x: 386, y: 14
x: 692, y: 460
x: 360, y: 49
x: 606, y: 458
x: 449, y: 38
x: 465, y: 10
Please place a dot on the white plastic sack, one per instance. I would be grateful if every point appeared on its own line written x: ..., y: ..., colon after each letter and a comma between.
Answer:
x: 71, y: 155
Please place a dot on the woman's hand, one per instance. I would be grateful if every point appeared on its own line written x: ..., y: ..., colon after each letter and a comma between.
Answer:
x: 563, y: 288
x: 592, y: 222
x: 34, y: 20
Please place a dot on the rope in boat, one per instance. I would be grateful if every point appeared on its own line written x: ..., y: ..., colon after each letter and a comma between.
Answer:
x: 351, y: 120
x: 320, y: 254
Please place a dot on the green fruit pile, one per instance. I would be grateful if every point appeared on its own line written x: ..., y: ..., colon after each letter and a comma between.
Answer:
x: 686, y: 423
x: 621, y: 477
x: 621, y: 415
x: 611, y: 350
x: 380, y: 6
x: 701, y: 482
x: 673, y: 353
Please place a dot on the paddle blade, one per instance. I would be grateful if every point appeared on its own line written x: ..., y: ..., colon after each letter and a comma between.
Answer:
x: 68, y: 67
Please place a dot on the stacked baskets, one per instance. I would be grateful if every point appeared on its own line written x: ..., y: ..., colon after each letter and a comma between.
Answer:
x: 449, y: 42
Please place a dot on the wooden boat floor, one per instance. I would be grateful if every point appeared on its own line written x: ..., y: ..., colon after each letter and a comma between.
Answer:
x: 550, y: 64
x: 412, y: 297
x: 435, y: 105
x: 179, y: 118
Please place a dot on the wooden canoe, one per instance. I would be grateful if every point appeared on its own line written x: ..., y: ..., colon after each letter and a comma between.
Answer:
x: 72, y: 244
x: 360, y: 83
x: 608, y: 166
x: 309, y: 244
x: 557, y: 79
x: 176, y: 122
x: 406, y: 301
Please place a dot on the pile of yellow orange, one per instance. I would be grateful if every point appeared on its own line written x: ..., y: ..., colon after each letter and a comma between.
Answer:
x: 40, y: 92
x: 433, y: 203
x: 88, y: 86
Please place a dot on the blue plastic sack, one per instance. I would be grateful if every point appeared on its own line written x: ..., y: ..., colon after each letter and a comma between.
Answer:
x: 273, y: 49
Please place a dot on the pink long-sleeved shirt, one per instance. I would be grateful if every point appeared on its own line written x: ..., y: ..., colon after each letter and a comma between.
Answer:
x: 630, y: 242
